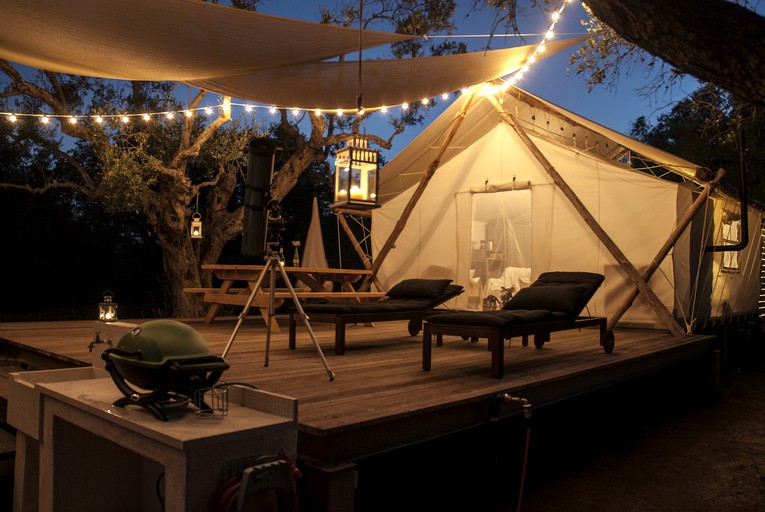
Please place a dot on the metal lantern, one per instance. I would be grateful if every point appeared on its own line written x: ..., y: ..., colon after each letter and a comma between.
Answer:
x: 196, y: 225
x: 356, y: 175
x: 107, y: 309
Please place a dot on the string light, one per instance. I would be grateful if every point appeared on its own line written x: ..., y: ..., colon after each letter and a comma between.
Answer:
x: 250, y: 108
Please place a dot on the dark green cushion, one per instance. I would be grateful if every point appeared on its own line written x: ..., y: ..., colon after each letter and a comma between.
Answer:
x: 563, y: 298
x: 410, y: 288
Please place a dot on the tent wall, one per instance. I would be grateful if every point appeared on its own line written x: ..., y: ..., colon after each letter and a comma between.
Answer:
x: 436, y: 241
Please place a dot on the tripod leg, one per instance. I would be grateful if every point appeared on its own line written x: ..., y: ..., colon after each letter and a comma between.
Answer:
x: 305, y: 322
x: 271, y: 304
x: 244, y: 312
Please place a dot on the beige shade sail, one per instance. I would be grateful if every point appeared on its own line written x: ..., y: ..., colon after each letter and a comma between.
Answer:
x: 247, y: 55
x: 335, y: 85
x: 158, y: 40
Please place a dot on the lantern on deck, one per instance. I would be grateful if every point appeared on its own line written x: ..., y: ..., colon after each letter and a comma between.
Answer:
x: 107, y: 309
x: 196, y: 225
x: 356, y: 175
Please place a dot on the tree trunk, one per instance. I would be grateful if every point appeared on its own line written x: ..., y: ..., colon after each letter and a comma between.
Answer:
x: 716, y: 41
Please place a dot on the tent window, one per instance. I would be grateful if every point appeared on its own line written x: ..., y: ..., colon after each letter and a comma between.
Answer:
x: 500, y: 262
x: 731, y: 235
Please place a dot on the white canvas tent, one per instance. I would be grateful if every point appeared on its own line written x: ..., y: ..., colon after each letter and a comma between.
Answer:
x: 492, y: 210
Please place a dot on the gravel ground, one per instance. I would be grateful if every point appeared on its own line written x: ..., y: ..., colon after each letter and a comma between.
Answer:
x: 676, y: 450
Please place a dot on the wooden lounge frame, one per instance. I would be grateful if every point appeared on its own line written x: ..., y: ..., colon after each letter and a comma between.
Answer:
x: 496, y: 336
x: 553, y: 302
x: 366, y: 313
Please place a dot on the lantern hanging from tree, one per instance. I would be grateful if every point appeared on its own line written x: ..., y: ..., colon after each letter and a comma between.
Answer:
x: 196, y: 225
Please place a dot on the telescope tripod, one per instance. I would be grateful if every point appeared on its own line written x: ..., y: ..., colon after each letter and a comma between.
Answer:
x: 275, y: 262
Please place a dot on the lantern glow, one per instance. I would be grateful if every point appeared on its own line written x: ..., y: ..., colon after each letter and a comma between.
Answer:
x: 107, y: 308
x: 356, y: 169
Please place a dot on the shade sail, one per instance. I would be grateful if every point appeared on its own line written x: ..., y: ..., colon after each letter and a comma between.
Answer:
x: 247, y: 55
x: 334, y: 85
x: 173, y: 40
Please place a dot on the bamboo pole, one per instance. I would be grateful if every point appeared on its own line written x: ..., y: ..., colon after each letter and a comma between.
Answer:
x: 401, y: 223
x: 357, y: 247
x: 682, y: 224
x: 666, y: 317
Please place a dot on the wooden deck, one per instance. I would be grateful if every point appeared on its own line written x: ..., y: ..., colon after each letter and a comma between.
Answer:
x: 381, y: 399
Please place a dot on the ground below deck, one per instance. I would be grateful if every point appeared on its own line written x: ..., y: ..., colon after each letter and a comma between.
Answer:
x: 660, y: 443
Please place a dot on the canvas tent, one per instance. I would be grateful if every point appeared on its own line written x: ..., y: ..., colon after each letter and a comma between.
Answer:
x: 492, y: 215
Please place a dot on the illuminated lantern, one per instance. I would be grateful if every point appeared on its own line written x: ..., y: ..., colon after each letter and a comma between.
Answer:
x: 196, y: 225
x: 356, y: 176
x: 107, y: 309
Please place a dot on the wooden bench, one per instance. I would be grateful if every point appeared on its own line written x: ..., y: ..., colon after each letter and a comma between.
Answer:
x: 315, y: 278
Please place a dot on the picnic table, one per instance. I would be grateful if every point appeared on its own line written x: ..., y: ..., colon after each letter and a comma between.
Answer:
x: 314, y: 280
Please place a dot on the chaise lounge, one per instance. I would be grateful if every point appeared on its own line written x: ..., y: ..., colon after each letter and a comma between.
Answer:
x: 411, y: 299
x: 551, y: 303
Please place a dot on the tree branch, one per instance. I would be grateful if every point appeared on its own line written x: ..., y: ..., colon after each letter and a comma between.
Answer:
x: 716, y: 41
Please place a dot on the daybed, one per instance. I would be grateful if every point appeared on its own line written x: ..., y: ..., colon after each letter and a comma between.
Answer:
x: 551, y: 303
x: 411, y: 299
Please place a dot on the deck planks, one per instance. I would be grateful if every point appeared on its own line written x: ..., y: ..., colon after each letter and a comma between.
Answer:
x: 381, y: 397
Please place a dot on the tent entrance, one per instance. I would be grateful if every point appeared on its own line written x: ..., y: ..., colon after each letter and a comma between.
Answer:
x: 500, y: 245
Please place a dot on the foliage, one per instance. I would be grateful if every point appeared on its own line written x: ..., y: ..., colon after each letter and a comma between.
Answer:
x: 133, y: 186
x: 707, y: 128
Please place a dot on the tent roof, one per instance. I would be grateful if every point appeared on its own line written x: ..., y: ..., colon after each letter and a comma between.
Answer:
x: 537, y: 116
x: 244, y: 54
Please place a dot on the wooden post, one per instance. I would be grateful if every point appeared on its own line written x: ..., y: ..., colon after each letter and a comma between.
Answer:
x: 419, y: 191
x: 357, y: 247
x: 666, y: 317
x: 682, y: 224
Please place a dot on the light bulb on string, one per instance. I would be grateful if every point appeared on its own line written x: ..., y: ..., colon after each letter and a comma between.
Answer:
x: 225, y: 104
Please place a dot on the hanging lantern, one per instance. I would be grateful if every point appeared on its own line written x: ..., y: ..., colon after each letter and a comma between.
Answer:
x: 196, y: 225
x: 356, y: 176
x: 107, y: 309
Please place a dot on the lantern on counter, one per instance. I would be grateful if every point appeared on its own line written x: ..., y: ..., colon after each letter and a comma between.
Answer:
x: 107, y: 308
x: 356, y: 169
